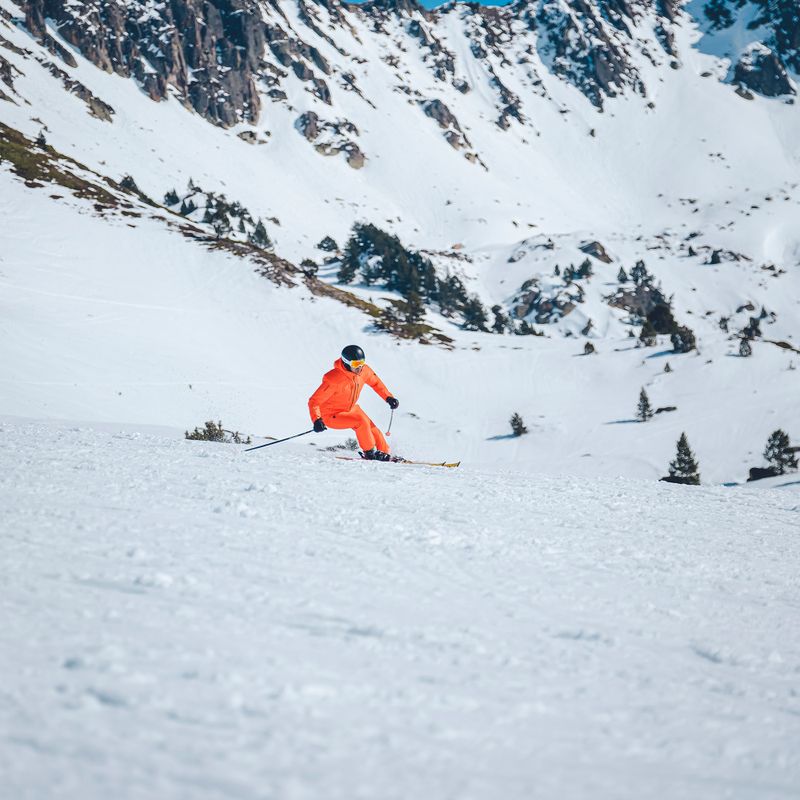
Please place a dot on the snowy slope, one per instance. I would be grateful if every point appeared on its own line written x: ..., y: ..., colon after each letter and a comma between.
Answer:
x: 86, y: 339
x: 185, y: 620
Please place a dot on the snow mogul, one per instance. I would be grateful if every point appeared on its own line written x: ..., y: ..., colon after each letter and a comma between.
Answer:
x: 335, y: 403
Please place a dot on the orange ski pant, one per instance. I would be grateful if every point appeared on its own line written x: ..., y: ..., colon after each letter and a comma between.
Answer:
x: 367, y: 433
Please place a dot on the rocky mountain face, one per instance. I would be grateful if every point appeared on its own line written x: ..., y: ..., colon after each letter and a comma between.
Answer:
x: 209, y: 53
x: 221, y: 57
x: 774, y: 52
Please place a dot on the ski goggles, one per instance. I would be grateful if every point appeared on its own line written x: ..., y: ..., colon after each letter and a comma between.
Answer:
x: 355, y: 363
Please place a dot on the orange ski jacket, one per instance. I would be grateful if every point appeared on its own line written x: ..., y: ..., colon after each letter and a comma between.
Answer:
x: 340, y: 389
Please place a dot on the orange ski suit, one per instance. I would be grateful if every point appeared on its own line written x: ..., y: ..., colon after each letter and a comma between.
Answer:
x: 335, y: 403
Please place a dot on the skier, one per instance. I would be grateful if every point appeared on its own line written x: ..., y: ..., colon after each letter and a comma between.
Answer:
x: 334, y: 404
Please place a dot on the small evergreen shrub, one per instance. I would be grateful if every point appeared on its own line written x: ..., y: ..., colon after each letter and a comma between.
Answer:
x: 328, y: 244
x: 778, y: 452
x: 214, y: 432
x: 517, y: 425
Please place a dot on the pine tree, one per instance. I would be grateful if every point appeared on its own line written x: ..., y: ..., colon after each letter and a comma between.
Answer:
x: 517, y: 425
x: 474, y: 315
x: 501, y: 322
x: 221, y: 224
x: 753, y: 329
x: 648, y: 336
x: 451, y: 295
x: 639, y: 273
x: 684, y: 469
x: 683, y: 340
x: 259, y: 236
x: 745, y: 349
x: 41, y: 141
x: 413, y: 309
x: 644, y: 411
x: 585, y: 269
x: 622, y: 276
x: 171, y: 198
x: 129, y: 183
x: 660, y: 316
x: 347, y: 271
x: 667, y: 367
x: 778, y: 452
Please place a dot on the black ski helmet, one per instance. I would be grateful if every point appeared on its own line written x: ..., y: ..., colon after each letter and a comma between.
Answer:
x: 352, y: 353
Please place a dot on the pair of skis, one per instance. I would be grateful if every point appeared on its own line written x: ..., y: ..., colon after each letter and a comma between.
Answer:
x: 399, y: 460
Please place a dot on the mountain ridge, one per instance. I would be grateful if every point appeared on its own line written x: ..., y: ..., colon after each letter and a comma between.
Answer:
x: 216, y: 55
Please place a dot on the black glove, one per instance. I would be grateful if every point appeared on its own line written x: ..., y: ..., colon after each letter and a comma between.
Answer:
x: 319, y: 425
x: 393, y: 402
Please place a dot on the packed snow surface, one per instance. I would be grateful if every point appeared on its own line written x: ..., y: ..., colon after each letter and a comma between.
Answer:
x: 186, y: 620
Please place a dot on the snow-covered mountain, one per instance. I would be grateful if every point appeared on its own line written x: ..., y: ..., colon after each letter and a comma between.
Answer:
x: 541, y: 209
x: 506, y: 147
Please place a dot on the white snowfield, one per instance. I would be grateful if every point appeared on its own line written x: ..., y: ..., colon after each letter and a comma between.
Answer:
x: 184, y: 620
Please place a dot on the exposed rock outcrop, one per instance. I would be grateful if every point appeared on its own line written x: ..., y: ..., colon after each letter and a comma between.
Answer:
x: 596, y: 250
x: 208, y: 52
x: 545, y: 304
x: 760, y: 70
x: 97, y: 108
x: 331, y: 138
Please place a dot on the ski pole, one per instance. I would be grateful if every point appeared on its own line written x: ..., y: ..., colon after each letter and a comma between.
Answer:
x: 391, y: 419
x: 277, y: 441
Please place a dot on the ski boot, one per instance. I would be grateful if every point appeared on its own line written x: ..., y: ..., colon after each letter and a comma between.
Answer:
x: 375, y: 455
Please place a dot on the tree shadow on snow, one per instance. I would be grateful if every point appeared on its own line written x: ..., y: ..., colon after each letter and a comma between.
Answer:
x: 662, y: 353
x: 501, y: 436
x: 621, y: 422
